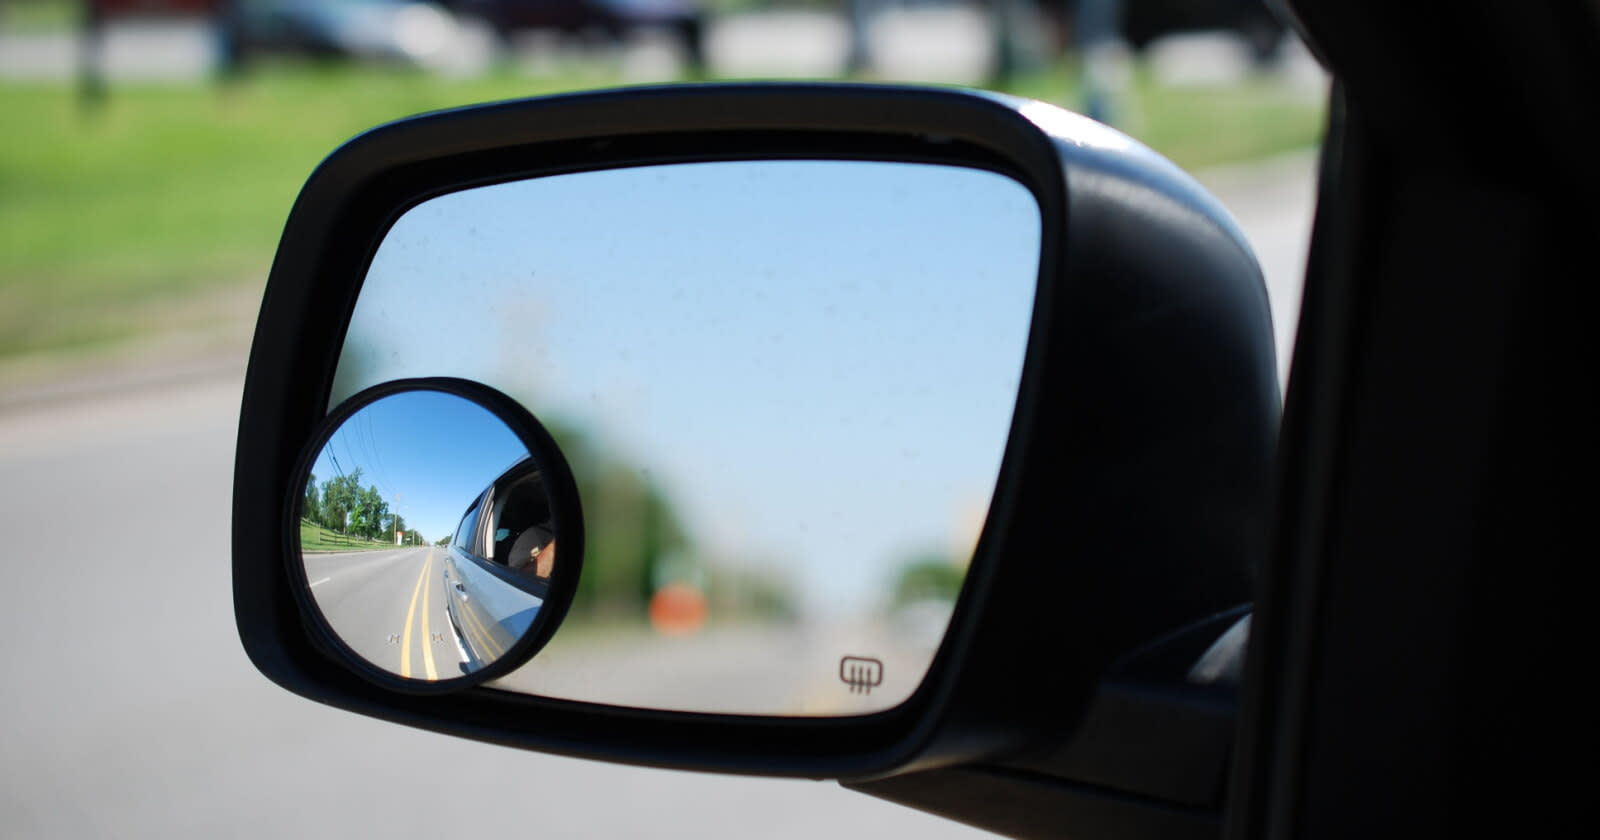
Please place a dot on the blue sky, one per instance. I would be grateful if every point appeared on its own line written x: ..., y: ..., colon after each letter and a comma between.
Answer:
x: 429, y: 453
x: 818, y: 360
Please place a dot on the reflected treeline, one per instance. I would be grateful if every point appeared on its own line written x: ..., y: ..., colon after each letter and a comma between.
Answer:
x: 631, y: 528
x: 640, y: 560
x: 928, y: 576
x: 342, y: 505
x: 636, y: 544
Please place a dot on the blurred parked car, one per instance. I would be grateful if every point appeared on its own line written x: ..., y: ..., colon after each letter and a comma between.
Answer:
x: 404, y: 31
x: 1143, y: 21
x: 138, y: 8
x: 612, y: 20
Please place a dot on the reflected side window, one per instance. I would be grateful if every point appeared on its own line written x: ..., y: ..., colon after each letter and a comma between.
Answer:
x: 468, y: 527
x: 523, y: 529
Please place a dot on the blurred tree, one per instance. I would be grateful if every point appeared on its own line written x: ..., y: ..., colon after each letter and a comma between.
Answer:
x: 340, y: 500
x: 1003, y: 24
x: 634, y: 527
x: 859, y: 14
x: 927, y: 576
x: 752, y: 591
x: 312, y: 507
x: 367, y: 519
x: 91, y: 55
x: 1097, y: 29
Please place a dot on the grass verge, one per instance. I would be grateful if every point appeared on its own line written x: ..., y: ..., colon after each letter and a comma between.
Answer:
x: 317, y: 538
x: 114, y: 223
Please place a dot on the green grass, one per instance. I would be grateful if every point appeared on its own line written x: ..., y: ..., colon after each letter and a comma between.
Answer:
x: 316, y: 538
x: 112, y: 224
x: 1199, y: 126
x: 40, y: 15
x: 172, y: 191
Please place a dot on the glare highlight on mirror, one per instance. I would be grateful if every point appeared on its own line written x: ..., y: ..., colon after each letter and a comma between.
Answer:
x: 784, y: 388
x: 426, y: 535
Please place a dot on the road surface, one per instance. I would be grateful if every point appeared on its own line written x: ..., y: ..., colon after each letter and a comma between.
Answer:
x: 389, y: 607
x: 131, y: 710
x: 765, y: 668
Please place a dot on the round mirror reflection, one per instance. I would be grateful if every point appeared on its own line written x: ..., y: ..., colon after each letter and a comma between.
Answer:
x: 427, y: 535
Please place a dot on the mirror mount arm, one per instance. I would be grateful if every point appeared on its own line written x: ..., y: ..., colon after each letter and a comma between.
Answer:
x: 1020, y: 804
x: 1149, y: 757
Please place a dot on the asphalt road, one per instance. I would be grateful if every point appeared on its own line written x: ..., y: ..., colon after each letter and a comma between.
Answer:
x: 757, y: 668
x: 132, y: 711
x: 389, y: 607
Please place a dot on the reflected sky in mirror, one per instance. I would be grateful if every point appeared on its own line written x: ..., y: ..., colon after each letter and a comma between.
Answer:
x: 393, y: 446
x: 795, y: 375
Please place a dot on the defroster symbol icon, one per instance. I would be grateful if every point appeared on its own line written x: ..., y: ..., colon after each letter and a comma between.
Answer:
x: 861, y: 673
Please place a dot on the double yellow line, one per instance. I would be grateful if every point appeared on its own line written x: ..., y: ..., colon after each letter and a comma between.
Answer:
x: 483, y: 640
x: 423, y: 587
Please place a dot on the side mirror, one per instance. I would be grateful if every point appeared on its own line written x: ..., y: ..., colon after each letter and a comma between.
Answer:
x: 915, y: 432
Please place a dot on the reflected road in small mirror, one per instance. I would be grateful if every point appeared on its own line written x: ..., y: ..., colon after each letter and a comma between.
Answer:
x: 389, y: 607
x: 426, y: 535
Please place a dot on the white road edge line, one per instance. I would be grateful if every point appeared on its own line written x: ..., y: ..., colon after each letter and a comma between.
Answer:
x: 324, y: 580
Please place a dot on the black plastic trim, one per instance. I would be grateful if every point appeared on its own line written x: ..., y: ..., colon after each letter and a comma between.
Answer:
x: 1028, y: 805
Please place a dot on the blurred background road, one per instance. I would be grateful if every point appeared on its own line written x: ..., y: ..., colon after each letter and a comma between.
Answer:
x: 396, y: 599
x: 135, y: 236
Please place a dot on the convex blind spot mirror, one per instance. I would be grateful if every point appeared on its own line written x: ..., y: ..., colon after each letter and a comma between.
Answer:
x: 785, y: 387
x: 437, y: 534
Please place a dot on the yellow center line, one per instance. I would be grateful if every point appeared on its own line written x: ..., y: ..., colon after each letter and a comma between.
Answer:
x: 489, y: 640
x: 427, y: 638
x: 411, y: 614
x: 473, y: 629
x: 485, y: 640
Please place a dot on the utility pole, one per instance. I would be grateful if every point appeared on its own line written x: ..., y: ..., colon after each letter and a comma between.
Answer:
x: 91, y: 57
x: 395, y: 522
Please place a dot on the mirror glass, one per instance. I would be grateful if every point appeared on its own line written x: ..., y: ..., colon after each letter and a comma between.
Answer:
x: 427, y: 535
x: 784, y: 388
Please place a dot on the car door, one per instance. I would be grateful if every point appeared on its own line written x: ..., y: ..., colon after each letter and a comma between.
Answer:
x: 1416, y: 631
x: 490, y: 605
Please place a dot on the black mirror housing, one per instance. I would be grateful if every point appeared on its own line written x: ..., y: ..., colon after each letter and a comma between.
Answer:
x: 1131, y: 502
